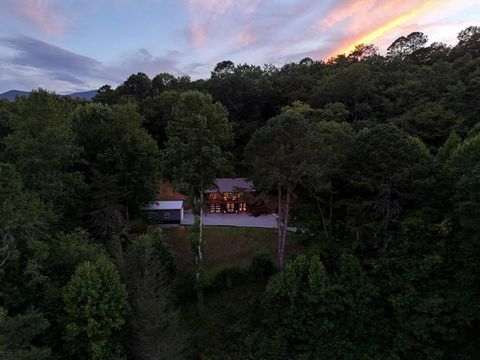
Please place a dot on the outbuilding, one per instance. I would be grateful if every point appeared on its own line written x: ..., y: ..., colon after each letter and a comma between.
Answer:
x: 164, y: 212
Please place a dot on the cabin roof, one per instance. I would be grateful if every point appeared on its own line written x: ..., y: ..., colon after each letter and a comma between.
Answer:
x: 232, y: 185
x: 163, y: 205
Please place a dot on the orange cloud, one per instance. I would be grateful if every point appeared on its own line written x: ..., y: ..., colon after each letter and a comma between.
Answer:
x: 351, y: 8
x: 42, y: 14
x: 370, y: 36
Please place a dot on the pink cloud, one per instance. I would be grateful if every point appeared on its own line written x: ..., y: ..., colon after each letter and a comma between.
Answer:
x: 350, y: 8
x: 42, y: 14
x: 206, y: 15
x: 216, y: 7
x: 245, y: 37
x: 199, y: 34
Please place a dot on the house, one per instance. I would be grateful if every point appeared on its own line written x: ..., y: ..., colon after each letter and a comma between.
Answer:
x: 164, y: 212
x: 230, y: 195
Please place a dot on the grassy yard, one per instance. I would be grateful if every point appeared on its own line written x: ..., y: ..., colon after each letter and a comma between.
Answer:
x: 228, y: 246
x: 230, y: 310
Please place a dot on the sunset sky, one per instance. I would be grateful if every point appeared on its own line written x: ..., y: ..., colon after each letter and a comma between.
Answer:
x: 74, y: 45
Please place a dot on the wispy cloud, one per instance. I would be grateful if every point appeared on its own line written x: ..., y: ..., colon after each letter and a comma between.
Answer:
x: 172, y: 62
x: 41, y: 64
x: 207, y: 15
x: 42, y: 14
x: 61, y: 64
x: 191, y: 36
x: 214, y: 7
x: 343, y: 11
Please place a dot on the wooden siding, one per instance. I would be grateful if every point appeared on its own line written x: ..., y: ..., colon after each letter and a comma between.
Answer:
x: 164, y: 216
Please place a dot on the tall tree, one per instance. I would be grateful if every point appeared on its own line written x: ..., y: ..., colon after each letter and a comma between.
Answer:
x: 106, y: 95
x: 362, y: 52
x: 18, y: 334
x: 23, y: 215
x: 157, y: 330
x: 430, y: 121
x: 42, y: 147
x: 196, y: 150
x: 5, y: 113
x: 406, y: 45
x: 333, y: 143
x: 161, y: 82
x: 386, y: 173
x: 138, y: 85
x: 95, y: 306
x: 121, y: 163
x: 314, y: 314
x: 468, y: 41
x: 157, y: 112
x: 280, y: 155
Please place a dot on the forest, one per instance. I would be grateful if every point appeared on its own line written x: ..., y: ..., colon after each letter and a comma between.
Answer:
x: 374, y: 158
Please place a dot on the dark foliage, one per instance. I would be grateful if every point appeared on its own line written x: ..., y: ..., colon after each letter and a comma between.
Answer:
x: 378, y: 158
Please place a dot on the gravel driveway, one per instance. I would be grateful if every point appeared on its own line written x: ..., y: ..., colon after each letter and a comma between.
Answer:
x: 243, y: 220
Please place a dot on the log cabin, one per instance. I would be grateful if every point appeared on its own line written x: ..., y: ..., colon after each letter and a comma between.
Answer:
x: 230, y: 196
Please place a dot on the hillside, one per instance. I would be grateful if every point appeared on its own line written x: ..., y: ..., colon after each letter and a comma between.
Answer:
x: 82, y: 95
x: 374, y: 158
x: 12, y: 94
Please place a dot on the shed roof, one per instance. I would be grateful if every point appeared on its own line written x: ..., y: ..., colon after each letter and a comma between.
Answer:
x: 168, y: 193
x: 164, y: 205
x: 232, y: 185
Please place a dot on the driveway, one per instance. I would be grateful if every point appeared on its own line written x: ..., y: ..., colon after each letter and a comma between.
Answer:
x: 241, y: 220
x: 244, y: 220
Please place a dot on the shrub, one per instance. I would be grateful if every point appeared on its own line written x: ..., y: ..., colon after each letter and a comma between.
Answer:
x: 227, y: 277
x: 262, y: 264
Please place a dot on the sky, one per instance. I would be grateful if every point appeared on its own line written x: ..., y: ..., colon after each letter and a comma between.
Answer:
x: 76, y: 45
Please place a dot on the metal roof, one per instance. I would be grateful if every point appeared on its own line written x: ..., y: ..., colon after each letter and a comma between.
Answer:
x: 164, y: 205
x: 232, y: 185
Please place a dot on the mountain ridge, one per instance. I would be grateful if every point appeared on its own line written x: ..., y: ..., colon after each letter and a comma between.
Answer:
x: 83, y: 95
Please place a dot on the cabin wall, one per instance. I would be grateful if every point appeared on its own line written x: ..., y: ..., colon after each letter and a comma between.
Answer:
x: 173, y: 216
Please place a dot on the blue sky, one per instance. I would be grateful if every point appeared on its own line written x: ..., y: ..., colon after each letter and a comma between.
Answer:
x: 75, y: 45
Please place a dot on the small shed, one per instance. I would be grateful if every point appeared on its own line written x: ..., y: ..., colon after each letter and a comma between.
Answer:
x: 164, y: 212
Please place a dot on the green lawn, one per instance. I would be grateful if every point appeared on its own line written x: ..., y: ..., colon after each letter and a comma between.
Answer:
x: 229, y: 310
x: 228, y: 246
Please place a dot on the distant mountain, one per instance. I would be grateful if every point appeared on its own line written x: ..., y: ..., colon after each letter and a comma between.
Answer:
x: 83, y: 95
x: 12, y: 94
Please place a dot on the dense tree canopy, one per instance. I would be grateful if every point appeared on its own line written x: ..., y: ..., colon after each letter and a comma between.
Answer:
x: 374, y: 159
x: 42, y: 148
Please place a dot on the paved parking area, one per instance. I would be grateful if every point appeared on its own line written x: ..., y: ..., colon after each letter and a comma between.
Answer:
x: 243, y: 220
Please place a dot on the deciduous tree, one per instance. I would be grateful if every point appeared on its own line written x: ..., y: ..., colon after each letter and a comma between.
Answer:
x: 280, y: 155
x: 196, y: 150
x: 121, y: 163
x: 315, y: 314
x: 18, y: 335
x: 42, y: 147
x: 95, y: 307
